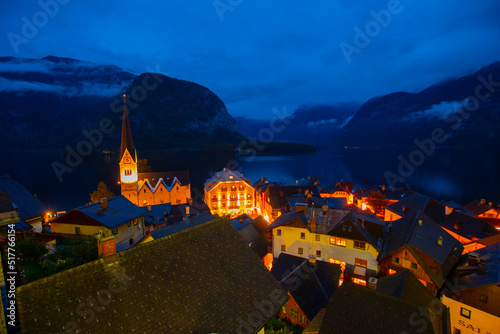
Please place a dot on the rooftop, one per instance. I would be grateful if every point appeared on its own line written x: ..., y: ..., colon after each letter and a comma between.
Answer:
x: 28, y: 205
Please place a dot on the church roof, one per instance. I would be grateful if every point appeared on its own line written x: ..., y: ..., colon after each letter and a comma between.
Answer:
x: 168, y: 178
x: 127, y: 142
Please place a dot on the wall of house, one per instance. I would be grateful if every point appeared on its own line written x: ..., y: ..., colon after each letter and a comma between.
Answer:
x: 291, y: 238
x: 125, y: 233
x: 470, y: 320
x: 84, y: 229
x: 285, y: 312
x: 406, y: 259
x: 221, y: 203
x: 179, y: 194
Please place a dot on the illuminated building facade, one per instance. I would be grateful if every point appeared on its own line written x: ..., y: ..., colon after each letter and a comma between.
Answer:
x: 145, y: 189
x: 229, y: 193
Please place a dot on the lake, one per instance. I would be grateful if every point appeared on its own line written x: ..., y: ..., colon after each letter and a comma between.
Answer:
x: 446, y: 174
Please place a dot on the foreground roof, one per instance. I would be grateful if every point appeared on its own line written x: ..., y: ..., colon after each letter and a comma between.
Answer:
x: 182, y: 225
x: 202, y: 280
x: 358, y: 309
x: 28, y: 205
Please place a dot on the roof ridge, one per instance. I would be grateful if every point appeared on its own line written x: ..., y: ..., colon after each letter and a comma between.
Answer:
x: 298, y: 267
x: 410, y: 233
x: 320, y: 285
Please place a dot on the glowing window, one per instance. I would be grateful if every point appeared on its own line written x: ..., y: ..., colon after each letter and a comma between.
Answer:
x: 359, y: 281
x: 361, y: 262
x: 465, y: 312
x: 337, y: 241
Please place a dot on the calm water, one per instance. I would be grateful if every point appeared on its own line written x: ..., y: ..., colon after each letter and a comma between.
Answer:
x: 449, y: 175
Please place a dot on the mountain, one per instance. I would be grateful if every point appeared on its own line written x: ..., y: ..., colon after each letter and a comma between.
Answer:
x: 309, y: 124
x: 52, y: 102
x: 466, y: 109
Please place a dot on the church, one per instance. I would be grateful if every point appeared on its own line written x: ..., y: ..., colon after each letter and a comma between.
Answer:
x: 145, y: 189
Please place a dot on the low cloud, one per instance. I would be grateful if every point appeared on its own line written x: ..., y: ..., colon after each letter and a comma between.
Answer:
x: 436, y: 111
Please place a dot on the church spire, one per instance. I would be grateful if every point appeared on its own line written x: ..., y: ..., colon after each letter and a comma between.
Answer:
x: 127, y: 142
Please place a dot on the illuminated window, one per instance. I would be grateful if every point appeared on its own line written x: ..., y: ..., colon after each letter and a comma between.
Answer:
x: 301, y: 318
x: 424, y: 283
x: 129, y: 224
x: 278, y: 232
x: 318, y: 237
x: 392, y: 272
x: 283, y: 248
x: 318, y: 253
x: 301, y: 250
x: 395, y: 260
x: 337, y: 241
x: 283, y: 309
x: 361, y: 262
x: 359, y: 244
x: 465, y: 312
x: 359, y: 281
x: 414, y: 265
x: 294, y: 314
x: 302, y: 235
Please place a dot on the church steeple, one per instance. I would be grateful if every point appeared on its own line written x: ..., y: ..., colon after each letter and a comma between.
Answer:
x: 127, y: 142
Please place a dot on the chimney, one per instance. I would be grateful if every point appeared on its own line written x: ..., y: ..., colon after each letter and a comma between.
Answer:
x: 472, y: 259
x: 299, y: 207
x: 440, y: 241
x: 480, y: 267
x: 149, y: 208
x: 448, y: 210
x: 372, y: 283
x: 483, y: 201
x: 104, y: 203
x: 312, y: 259
x: 187, y: 210
x: 325, y: 209
x: 106, y: 247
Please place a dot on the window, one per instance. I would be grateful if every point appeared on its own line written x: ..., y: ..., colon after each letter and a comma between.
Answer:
x: 294, y: 314
x: 283, y: 248
x: 337, y: 241
x: 395, y: 260
x: 318, y: 237
x: 278, y: 232
x: 223, y: 205
x: 144, y: 190
x: 341, y: 263
x: 359, y: 244
x: 414, y: 265
x: 129, y: 224
x: 344, y: 227
x: 301, y: 250
x: 465, y: 312
x: 361, y: 262
x: 359, y: 281
x: 114, y: 231
x: 283, y: 309
x: 301, y: 318
x: 456, y: 331
x: 136, y: 221
x: 350, y: 228
x: 131, y: 241
x: 483, y: 299
x: 78, y: 231
x: 302, y: 235
x: 318, y: 253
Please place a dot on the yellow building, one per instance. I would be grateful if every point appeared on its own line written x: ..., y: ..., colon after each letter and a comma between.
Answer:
x: 145, y: 189
x: 116, y: 216
x: 229, y: 193
x: 337, y: 236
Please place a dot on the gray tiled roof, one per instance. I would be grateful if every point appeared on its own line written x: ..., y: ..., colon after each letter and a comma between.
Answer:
x: 182, y: 225
x: 202, y: 280
x: 120, y: 211
x: 28, y: 205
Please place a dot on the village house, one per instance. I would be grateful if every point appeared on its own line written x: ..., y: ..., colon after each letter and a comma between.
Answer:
x: 8, y: 213
x: 473, y: 233
x: 204, y: 279
x: 272, y: 197
x: 485, y: 211
x: 116, y: 217
x: 389, y: 194
x: 229, y: 193
x: 28, y: 213
x: 474, y: 297
x: 309, y: 283
x: 422, y: 246
x: 350, y: 238
x: 339, y: 190
x: 145, y: 189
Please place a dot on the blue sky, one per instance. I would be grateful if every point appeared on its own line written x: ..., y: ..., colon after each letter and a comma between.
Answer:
x: 260, y: 55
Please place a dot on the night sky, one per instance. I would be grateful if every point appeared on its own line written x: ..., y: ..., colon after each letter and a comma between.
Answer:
x: 259, y: 55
